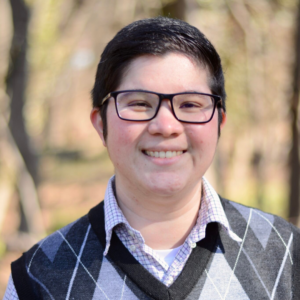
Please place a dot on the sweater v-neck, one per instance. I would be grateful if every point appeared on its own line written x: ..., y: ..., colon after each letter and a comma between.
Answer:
x: 150, y: 285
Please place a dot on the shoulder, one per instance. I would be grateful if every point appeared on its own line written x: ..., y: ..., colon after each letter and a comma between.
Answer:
x: 234, y: 209
x: 260, y: 223
x: 72, y: 233
x: 70, y: 236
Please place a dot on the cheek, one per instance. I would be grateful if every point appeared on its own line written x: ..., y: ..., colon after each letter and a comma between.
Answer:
x: 123, y: 134
x: 122, y: 139
x: 203, y: 138
x: 117, y: 141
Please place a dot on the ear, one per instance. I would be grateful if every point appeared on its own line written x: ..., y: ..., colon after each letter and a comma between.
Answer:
x: 224, y: 119
x: 97, y: 123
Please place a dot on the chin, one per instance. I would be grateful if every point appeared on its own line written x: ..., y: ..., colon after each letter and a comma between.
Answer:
x: 165, y: 186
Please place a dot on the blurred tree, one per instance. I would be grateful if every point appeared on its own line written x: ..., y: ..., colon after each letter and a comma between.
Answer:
x: 294, y: 162
x: 16, y: 86
x: 240, y: 13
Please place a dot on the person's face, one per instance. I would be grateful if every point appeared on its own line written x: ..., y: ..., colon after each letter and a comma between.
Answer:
x: 130, y: 143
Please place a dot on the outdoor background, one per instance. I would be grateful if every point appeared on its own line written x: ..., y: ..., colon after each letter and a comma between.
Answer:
x: 53, y: 167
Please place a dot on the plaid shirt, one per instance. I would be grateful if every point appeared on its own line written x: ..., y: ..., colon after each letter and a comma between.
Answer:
x: 211, y: 211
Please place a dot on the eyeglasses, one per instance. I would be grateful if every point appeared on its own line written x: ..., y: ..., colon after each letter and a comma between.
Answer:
x: 189, y: 107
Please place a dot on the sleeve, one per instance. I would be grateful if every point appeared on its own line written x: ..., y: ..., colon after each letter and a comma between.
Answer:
x: 10, y: 293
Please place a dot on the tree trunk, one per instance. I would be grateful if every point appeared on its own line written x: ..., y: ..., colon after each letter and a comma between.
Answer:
x: 294, y: 163
x: 16, y: 86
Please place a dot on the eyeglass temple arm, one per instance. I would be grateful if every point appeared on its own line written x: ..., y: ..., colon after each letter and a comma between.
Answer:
x: 105, y: 99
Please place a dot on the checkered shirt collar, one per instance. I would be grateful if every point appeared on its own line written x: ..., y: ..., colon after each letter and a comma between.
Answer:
x: 211, y: 210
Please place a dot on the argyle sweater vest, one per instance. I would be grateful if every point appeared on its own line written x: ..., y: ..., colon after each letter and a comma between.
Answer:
x: 69, y: 264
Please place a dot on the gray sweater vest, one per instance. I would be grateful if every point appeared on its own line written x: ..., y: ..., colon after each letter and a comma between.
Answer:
x: 69, y: 264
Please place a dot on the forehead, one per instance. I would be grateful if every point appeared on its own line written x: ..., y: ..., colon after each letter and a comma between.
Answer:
x: 168, y: 73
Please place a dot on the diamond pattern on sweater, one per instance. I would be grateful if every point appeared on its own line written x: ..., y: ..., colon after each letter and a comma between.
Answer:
x: 218, y: 287
x: 51, y: 244
x: 107, y: 282
x: 261, y: 228
x: 237, y: 270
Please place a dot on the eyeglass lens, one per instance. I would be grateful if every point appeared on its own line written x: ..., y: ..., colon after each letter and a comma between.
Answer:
x: 143, y: 106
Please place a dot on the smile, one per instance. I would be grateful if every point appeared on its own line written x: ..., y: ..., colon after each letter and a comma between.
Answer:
x: 163, y: 154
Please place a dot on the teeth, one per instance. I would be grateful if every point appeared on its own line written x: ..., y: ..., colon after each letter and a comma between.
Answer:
x: 163, y: 154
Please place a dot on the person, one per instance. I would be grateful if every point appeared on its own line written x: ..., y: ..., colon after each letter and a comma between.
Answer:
x: 162, y: 231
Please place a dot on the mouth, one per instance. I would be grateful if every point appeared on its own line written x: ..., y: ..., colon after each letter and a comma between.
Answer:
x: 163, y: 154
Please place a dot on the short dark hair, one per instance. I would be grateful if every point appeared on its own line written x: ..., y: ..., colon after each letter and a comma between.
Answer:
x: 155, y: 36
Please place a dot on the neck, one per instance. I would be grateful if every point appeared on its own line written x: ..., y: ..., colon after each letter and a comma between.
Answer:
x: 164, y: 221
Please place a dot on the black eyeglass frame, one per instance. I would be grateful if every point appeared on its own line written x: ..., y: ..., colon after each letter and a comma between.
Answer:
x: 217, y: 99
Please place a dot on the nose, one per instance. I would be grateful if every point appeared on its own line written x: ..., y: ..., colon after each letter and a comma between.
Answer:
x: 165, y: 123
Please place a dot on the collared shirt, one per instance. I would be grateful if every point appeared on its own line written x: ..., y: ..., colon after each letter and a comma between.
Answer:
x: 211, y: 210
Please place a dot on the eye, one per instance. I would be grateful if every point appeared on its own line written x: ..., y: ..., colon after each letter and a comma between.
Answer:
x: 139, y: 103
x: 190, y: 104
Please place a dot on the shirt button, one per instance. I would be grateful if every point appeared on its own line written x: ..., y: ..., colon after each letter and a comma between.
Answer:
x: 131, y: 233
x: 193, y: 245
x: 132, y: 248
